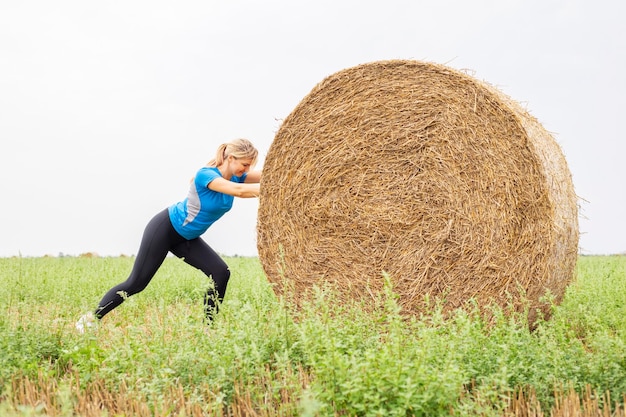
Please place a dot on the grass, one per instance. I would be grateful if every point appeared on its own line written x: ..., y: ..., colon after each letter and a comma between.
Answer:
x: 155, y: 356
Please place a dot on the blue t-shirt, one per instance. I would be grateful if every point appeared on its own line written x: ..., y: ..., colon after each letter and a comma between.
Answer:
x: 202, y: 207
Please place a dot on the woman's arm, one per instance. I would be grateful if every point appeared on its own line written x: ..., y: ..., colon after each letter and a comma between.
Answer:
x: 236, y: 189
x: 253, y: 177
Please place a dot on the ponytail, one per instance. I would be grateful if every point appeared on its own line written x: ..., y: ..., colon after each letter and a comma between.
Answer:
x: 238, y: 148
x: 220, y: 156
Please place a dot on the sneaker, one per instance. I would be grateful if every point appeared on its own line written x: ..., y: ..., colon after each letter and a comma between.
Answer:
x: 87, y: 321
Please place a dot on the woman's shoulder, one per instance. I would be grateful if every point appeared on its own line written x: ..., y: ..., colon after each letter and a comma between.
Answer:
x: 208, y: 168
x: 209, y: 171
x: 205, y: 175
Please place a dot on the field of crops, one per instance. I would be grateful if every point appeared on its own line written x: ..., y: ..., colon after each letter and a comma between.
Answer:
x: 155, y: 356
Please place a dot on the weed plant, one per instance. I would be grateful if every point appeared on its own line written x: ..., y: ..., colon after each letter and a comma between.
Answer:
x: 155, y: 354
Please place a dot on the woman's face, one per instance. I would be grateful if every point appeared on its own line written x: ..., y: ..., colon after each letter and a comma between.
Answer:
x: 240, y: 166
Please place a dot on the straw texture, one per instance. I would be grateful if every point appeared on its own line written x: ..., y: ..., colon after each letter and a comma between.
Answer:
x: 424, y: 173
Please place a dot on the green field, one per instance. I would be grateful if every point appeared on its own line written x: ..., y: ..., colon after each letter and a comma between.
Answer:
x: 155, y: 356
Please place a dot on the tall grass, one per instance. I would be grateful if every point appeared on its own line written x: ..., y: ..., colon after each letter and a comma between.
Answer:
x: 155, y: 355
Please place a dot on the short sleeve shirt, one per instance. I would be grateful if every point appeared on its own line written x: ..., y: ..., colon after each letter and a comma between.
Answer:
x: 202, y: 207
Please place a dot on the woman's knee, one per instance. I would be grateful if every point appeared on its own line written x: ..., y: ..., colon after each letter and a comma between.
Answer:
x: 133, y: 286
x: 221, y: 275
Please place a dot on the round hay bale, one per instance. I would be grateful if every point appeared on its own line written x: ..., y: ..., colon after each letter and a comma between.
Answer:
x: 424, y: 173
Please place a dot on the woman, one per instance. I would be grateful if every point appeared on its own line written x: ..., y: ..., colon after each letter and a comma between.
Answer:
x: 178, y: 228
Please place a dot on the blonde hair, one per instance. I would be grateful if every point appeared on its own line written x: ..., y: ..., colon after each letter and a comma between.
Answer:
x: 238, y: 148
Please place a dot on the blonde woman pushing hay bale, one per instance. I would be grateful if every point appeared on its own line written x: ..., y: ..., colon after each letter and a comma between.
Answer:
x: 422, y: 172
x: 178, y: 229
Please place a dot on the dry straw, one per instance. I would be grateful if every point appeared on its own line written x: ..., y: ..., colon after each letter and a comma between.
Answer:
x: 424, y: 173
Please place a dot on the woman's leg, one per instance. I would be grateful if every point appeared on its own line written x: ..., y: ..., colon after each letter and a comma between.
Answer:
x: 200, y: 255
x: 158, y: 237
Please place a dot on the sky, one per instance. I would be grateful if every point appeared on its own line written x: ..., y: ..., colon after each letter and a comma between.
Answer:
x: 107, y: 109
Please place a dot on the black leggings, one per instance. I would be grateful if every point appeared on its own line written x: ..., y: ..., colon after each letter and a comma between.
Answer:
x: 159, y: 238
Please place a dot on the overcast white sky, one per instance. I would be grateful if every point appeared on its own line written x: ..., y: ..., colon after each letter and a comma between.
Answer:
x: 108, y: 108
